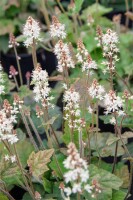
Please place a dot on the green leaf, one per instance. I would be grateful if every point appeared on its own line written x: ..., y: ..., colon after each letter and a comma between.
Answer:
x: 37, y: 122
x: 90, y: 42
x: 105, y: 178
x: 47, y: 185
x: 53, y: 165
x: 9, y: 173
x: 123, y: 173
x: 21, y: 135
x: 4, y: 40
x: 105, y: 194
x: 111, y: 139
x: 78, y: 5
x: 24, y: 153
x: 107, y: 182
x: 27, y: 196
x: 95, y: 10
x: 56, y: 111
x: 98, y: 142
x: 68, y: 23
x: 24, y: 91
x: 37, y: 162
x: 6, y: 26
x: 51, y: 121
x: 118, y: 195
x: 3, y: 197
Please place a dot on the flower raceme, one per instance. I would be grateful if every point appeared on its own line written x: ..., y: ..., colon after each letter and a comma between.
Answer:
x: 108, y: 41
x: 31, y: 31
x: 41, y: 86
x: 82, y: 51
x: 2, y: 87
x: 84, y: 58
x: 63, y: 54
x: 8, y: 115
x: 77, y: 174
x: 113, y: 103
x: 96, y: 90
x: 57, y: 29
x: 72, y: 111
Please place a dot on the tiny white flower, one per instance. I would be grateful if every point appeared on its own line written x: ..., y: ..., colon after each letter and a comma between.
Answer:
x: 113, y: 120
x: 7, y: 157
x: 68, y: 191
x: 13, y: 158
x: 88, y: 188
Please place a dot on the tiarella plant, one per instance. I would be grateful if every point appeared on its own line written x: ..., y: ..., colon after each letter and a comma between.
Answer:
x: 52, y: 144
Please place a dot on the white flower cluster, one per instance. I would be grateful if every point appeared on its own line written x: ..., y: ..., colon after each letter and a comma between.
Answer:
x: 96, y: 91
x: 78, y: 174
x: 109, y: 42
x: 31, y: 31
x: 10, y: 158
x: 113, y: 103
x: 41, y: 86
x: 2, y: 87
x: 63, y: 54
x: 72, y: 111
x: 89, y: 64
x: 57, y: 29
x: 84, y: 58
x: 110, y: 39
x: 7, y: 119
x: 82, y: 51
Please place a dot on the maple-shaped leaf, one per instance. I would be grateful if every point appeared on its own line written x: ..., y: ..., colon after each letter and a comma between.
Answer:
x: 37, y: 162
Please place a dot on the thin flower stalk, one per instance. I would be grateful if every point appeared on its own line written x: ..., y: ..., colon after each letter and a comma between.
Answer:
x: 6, y: 193
x: 29, y: 131
x: 35, y: 131
x: 22, y: 172
x: 45, y: 13
x: 19, y: 103
x: 13, y: 43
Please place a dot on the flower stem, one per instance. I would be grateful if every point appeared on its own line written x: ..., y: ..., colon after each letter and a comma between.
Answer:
x: 36, y: 132
x: 6, y: 193
x: 16, y: 82
x: 34, y: 56
x: 28, y: 131
x: 45, y: 13
x: 60, y: 6
x: 18, y: 64
x: 21, y: 169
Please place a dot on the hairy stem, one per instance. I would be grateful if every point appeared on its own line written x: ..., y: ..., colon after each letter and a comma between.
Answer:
x: 34, y: 56
x: 36, y: 132
x: 6, y: 193
x: 28, y: 131
x: 18, y: 64
x: 22, y: 172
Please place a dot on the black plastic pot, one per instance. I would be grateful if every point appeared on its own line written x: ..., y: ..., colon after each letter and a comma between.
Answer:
x: 45, y: 58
